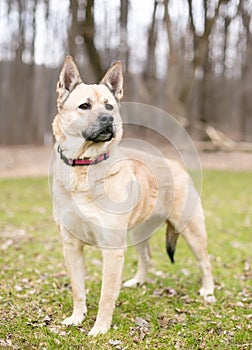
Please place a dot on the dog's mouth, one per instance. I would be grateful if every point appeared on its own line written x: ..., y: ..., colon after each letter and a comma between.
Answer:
x: 104, y: 134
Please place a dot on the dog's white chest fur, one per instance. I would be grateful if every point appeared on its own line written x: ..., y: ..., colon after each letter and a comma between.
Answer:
x: 95, y: 203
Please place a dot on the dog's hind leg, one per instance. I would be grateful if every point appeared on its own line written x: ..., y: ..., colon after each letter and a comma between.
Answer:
x: 74, y: 258
x: 196, y: 237
x: 111, y: 283
x: 143, y: 265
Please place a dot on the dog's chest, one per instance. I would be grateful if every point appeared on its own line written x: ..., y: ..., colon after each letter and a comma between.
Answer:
x: 93, y: 206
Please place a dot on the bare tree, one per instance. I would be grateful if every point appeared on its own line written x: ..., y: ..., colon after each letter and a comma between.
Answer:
x: 124, y: 47
x: 150, y: 66
x: 205, y: 77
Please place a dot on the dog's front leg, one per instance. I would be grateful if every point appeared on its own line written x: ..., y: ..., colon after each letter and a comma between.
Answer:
x: 111, y: 283
x: 74, y: 258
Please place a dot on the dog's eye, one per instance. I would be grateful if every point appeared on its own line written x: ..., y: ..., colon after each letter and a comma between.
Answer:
x: 109, y: 107
x: 85, y: 106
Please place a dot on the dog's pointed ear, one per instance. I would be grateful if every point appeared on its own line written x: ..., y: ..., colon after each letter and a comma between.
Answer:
x: 69, y: 77
x: 113, y: 79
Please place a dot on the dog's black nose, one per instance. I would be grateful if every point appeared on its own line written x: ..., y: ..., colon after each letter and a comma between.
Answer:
x: 105, y: 119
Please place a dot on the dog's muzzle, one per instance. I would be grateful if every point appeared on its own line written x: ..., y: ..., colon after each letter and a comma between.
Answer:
x: 103, y: 130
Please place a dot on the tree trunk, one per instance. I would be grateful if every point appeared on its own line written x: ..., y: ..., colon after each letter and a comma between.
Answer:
x: 87, y: 28
x: 124, y: 47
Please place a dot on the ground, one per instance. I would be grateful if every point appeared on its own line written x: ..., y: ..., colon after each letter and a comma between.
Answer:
x: 165, y: 313
x: 23, y: 161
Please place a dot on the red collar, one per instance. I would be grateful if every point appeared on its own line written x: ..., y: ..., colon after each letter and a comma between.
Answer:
x: 83, y: 161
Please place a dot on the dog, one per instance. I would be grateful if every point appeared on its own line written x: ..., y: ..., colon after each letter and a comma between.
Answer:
x: 100, y: 192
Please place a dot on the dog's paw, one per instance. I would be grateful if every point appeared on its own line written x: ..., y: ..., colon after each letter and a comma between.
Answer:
x: 209, y: 299
x: 132, y: 283
x: 208, y: 295
x: 99, y: 329
x: 73, y: 320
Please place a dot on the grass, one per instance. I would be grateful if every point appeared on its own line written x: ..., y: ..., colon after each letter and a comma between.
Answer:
x: 35, y: 293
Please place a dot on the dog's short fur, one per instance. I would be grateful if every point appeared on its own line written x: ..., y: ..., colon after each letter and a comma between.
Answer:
x: 86, y: 198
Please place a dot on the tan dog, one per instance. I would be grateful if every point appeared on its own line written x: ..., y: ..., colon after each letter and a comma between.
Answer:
x: 100, y: 191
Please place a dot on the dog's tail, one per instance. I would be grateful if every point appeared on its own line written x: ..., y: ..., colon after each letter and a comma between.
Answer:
x: 171, y: 240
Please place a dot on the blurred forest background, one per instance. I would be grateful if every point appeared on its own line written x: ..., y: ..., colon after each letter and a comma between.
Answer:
x: 191, y: 58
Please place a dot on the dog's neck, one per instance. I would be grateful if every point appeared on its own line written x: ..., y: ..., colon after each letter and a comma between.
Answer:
x: 82, y: 161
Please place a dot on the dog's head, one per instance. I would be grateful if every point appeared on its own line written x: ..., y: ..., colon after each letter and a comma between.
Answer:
x: 88, y: 112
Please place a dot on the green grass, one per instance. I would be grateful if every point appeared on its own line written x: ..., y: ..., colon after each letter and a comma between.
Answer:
x: 35, y: 294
